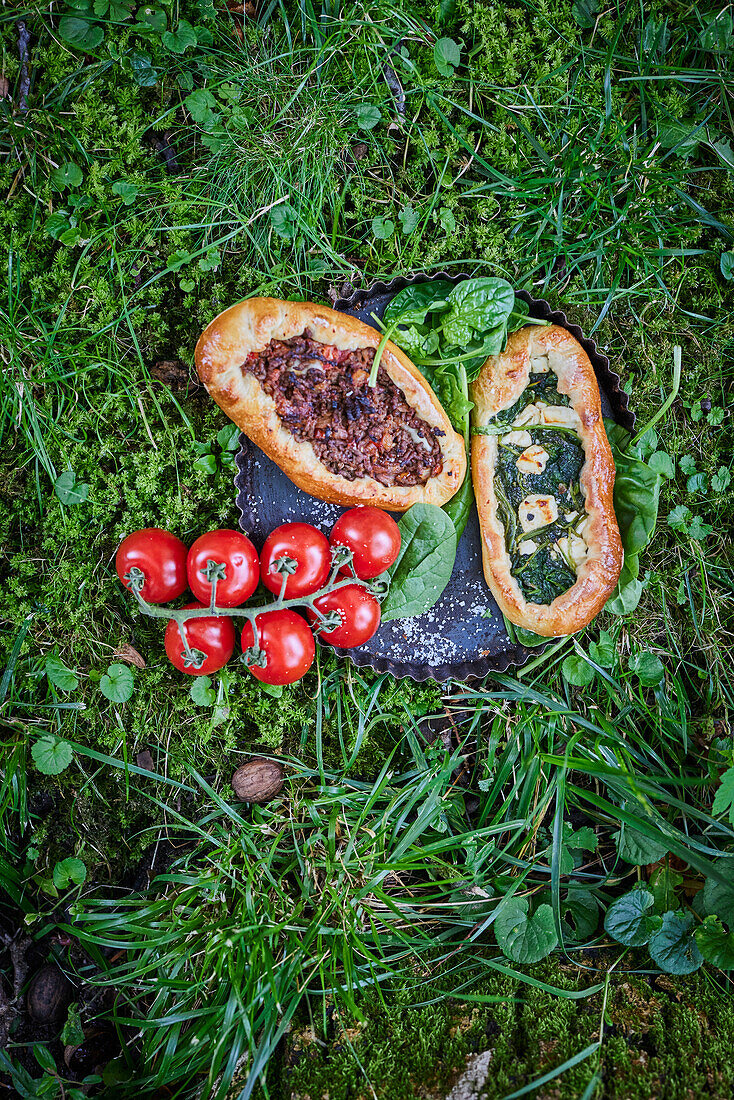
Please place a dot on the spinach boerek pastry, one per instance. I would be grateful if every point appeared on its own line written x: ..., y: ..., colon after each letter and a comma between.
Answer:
x: 298, y: 379
x: 543, y: 477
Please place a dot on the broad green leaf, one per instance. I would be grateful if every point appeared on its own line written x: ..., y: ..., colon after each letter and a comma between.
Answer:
x: 59, y: 675
x: 715, y: 943
x: 584, y: 12
x: 79, y: 32
x: 726, y: 265
x: 580, y: 911
x: 128, y: 192
x: 716, y: 35
x: 447, y: 219
x: 673, y: 946
x: 141, y: 66
x: 682, y: 137
x: 368, y: 116
x: 382, y: 228
x: 202, y: 692
x: 409, y: 219
x: 662, y: 464
x: 69, y: 490
x: 525, y: 938
x: 648, y: 668
x: 52, y: 755
x: 117, y: 684
x: 152, y: 19
x: 67, y: 175
x: 721, y: 480
x: 67, y: 871
x: 724, y: 798
x: 207, y: 464
x: 228, y: 437
x: 603, y: 652
x: 629, y: 919
x: 577, y: 671
x: 200, y: 104
x: 447, y: 56
x: 663, y: 884
x: 637, y: 848
x: 424, y: 565
x: 718, y: 898
x: 182, y: 39
x: 72, y: 1033
x: 284, y: 221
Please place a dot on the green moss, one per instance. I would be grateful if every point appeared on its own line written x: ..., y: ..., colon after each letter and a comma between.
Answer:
x: 662, y: 1039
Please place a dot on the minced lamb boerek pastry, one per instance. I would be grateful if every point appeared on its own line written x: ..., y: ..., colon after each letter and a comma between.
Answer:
x: 294, y: 376
x: 543, y: 478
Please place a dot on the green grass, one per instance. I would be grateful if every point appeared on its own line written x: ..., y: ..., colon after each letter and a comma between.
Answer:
x: 343, y: 938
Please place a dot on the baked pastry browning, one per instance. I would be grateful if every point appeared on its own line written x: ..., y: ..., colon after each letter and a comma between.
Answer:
x: 543, y: 478
x: 294, y: 377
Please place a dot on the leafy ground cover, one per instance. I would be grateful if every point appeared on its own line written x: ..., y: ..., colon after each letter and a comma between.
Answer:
x: 549, y: 877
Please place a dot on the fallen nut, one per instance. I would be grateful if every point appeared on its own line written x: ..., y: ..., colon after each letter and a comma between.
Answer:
x: 258, y: 780
x: 48, y: 995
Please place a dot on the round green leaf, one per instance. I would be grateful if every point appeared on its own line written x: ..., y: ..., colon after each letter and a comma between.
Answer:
x: 368, y: 116
x: 580, y: 911
x: 117, y: 684
x: 52, y: 755
x: 79, y: 32
x: 523, y: 938
x: 383, y: 228
x: 128, y: 192
x: 69, y: 490
x: 144, y: 75
x: 447, y: 56
x: 726, y: 265
x: 673, y: 946
x: 715, y: 943
x: 66, y: 175
x: 637, y: 848
x: 648, y: 668
x: 718, y: 897
x: 284, y: 221
x: 577, y: 671
x: 59, y: 675
x: 662, y: 464
x: 629, y: 919
x: 201, y: 691
x: 68, y: 871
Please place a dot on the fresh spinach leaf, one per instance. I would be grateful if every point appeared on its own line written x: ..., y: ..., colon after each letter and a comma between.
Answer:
x: 425, y: 562
x: 482, y: 303
x: 459, y: 507
x: 412, y: 305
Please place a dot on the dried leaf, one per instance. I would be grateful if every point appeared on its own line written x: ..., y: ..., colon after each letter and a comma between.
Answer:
x: 129, y: 654
x: 145, y: 760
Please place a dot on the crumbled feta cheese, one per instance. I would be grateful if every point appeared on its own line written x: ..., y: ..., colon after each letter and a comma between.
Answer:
x: 537, y: 511
x: 533, y: 460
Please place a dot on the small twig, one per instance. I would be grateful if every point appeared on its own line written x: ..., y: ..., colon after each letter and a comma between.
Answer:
x: 24, y: 40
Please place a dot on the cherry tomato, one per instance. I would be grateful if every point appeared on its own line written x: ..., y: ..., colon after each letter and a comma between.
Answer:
x: 288, y: 645
x: 359, y: 611
x: 308, y: 548
x: 373, y: 537
x: 162, y: 559
x: 212, y: 635
x: 241, y: 567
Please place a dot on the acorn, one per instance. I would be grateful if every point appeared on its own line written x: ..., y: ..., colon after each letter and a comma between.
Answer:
x: 258, y: 780
x: 49, y: 995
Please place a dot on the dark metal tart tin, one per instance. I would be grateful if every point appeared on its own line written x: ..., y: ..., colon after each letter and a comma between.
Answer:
x: 464, y: 635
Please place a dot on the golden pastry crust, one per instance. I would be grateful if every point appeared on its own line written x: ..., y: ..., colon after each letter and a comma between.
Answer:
x: 502, y: 380
x: 250, y: 326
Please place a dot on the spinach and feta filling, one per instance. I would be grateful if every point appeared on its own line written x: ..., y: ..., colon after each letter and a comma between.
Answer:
x: 540, y: 500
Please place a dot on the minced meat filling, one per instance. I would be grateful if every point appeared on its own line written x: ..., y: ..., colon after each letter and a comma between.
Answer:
x: 322, y: 396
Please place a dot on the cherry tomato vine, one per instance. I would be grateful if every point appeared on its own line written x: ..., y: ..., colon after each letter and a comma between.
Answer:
x: 278, y: 644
